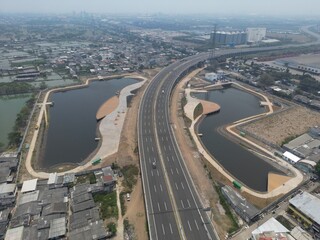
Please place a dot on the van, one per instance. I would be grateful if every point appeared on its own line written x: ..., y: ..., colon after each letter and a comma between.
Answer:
x: 128, y: 196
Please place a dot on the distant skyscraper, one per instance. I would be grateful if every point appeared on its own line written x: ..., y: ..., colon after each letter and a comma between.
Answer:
x: 256, y: 34
x: 229, y: 38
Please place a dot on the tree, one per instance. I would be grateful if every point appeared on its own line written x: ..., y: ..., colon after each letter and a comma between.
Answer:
x: 266, y: 80
x: 318, y: 168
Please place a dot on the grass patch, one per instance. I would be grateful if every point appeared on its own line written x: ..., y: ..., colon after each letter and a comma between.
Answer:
x: 108, y: 204
x: 285, y: 222
x: 112, y: 228
x: 122, y: 203
x: 91, y: 178
x: 198, y: 111
x: 130, y: 175
x: 288, y: 139
x: 227, y: 209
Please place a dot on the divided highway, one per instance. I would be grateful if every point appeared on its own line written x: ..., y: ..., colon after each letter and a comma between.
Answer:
x: 174, y: 210
x: 173, y: 207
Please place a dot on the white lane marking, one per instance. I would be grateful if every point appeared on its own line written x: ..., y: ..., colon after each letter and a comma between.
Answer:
x: 189, y: 203
x: 147, y: 149
x: 170, y: 228
x: 167, y: 138
x: 152, y: 149
x: 172, y: 159
x: 169, y: 147
x: 158, y: 173
x: 149, y: 131
x: 164, y: 146
x: 160, y: 130
x: 195, y: 221
x: 177, y: 171
x: 155, y: 189
x: 165, y: 206
x: 159, y: 206
x: 189, y: 226
x: 171, y: 171
x: 161, y: 187
x: 162, y: 139
x: 151, y: 173
x: 164, y: 233
x: 146, y: 138
x: 182, y: 185
x: 168, y: 159
x: 182, y: 204
x: 176, y: 185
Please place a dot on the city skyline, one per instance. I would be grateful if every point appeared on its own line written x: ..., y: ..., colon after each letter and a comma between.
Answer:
x: 230, y: 7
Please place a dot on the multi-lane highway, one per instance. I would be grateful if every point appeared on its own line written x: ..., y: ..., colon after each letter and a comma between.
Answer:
x: 172, y: 203
x: 173, y: 207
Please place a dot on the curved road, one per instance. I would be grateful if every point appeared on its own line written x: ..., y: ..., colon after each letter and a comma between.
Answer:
x: 174, y: 210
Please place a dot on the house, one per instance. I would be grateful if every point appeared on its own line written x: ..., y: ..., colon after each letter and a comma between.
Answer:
x: 8, y: 193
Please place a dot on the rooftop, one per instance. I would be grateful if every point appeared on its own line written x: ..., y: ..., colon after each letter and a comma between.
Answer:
x: 15, y: 233
x: 57, y: 227
x: 7, y: 188
x: 308, y: 205
x: 29, y: 185
x: 272, y: 225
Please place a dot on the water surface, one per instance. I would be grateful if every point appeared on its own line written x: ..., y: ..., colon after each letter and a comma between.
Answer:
x: 235, y: 105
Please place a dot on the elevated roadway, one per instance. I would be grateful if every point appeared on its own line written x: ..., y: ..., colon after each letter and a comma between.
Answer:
x: 174, y: 210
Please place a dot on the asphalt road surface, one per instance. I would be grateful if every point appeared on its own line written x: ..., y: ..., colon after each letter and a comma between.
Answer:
x: 174, y: 210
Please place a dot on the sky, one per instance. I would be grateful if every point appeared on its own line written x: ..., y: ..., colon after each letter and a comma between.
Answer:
x: 227, y: 7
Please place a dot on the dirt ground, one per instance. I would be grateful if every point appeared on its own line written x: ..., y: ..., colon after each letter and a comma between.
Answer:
x: 277, y: 127
x: 299, y: 38
x: 107, y: 107
x: 196, y: 168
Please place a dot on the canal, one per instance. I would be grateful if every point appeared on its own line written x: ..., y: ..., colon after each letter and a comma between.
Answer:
x: 242, y: 164
x: 70, y: 137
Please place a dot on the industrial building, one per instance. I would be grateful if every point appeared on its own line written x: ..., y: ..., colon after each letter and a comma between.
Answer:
x: 306, y: 208
x: 229, y: 38
x: 255, y: 35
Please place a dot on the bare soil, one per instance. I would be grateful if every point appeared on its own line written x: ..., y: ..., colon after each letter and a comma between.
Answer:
x: 277, y: 127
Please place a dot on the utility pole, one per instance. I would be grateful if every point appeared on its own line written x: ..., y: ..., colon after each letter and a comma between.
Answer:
x: 213, y: 49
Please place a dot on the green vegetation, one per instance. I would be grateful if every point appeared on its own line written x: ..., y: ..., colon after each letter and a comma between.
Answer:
x: 130, y: 175
x: 112, y: 228
x: 90, y: 177
x: 318, y: 168
x: 15, y: 88
x: 36, y: 62
x: 108, y: 201
x: 20, y: 123
x: 266, y: 80
x: 309, y: 84
x: 227, y: 209
x: 285, y: 222
x: 288, y: 139
x: 122, y: 203
x: 198, y: 111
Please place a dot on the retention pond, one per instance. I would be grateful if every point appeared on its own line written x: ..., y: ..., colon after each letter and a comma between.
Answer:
x: 70, y: 138
x: 237, y: 160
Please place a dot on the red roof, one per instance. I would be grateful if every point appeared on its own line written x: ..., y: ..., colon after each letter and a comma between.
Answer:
x: 107, y: 178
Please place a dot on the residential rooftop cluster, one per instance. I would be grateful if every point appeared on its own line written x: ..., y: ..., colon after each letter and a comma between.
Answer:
x: 55, y: 208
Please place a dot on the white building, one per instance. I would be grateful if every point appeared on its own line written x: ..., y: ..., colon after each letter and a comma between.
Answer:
x: 255, y: 35
x: 211, y: 77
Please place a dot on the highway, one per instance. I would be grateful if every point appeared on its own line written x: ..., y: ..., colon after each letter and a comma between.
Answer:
x: 174, y: 210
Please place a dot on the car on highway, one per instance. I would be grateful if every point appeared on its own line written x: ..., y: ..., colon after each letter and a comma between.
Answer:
x: 154, y: 165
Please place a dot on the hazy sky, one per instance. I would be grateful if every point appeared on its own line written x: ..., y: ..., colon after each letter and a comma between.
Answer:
x: 265, y: 7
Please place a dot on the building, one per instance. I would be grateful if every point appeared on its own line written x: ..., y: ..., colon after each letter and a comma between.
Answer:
x: 8, y: 193
x: 211, y: 77
x: 29, y: 186
x: 255, y: 35
x: 229, y: 38
x: 291, y: 158
x: 306, y: 208
x: 271, y: 229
